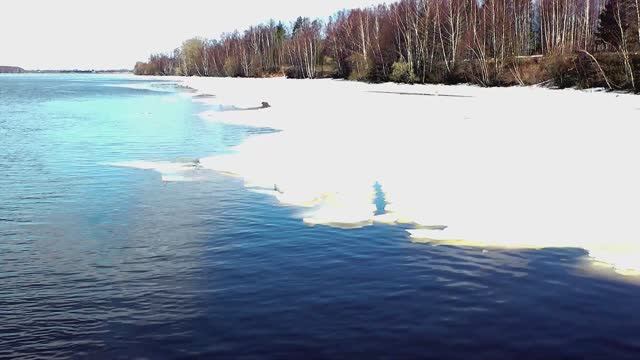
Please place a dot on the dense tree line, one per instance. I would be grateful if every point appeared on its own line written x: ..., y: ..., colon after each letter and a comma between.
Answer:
x: 488, y: 42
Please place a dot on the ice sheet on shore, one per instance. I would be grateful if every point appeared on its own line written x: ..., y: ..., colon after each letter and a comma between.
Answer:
x: 502, y: 167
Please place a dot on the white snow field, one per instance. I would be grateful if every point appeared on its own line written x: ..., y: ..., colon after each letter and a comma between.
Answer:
x: 499, y: 167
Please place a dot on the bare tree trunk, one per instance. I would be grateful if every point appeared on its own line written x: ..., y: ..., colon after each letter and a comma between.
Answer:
x: 638, y: 19
x: 623, y: 48
x: 587, y: 24
x: 444, y: 53
x: 599, y: 68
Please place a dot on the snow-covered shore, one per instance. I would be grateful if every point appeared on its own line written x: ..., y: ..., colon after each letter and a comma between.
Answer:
x: 500, y: 167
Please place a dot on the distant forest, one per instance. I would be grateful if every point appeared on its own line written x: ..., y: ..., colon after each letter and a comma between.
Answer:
x: 563, y: 43
x: 11, y: 70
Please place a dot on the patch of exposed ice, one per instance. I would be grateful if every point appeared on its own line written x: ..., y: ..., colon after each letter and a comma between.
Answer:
x: 177, y: 171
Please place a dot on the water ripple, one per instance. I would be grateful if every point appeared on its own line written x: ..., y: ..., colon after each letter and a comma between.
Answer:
x: 103, y: 262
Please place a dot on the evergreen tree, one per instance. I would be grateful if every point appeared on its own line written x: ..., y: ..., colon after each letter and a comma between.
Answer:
x: 615, y: 22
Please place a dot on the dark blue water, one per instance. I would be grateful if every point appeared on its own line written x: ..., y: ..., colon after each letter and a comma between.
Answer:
x: 102, y: 262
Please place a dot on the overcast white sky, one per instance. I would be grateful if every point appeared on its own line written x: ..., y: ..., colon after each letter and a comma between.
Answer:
x: 92, y: 34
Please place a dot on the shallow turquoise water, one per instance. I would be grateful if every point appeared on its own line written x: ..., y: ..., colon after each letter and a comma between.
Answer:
x: 59, y: 132
x: 105, y: 262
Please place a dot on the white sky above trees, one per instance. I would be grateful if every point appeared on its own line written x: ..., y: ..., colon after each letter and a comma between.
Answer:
x: 91, y: 34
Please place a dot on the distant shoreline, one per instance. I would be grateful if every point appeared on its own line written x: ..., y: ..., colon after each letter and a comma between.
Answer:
x: 19, y: 70
x: 79, y: 71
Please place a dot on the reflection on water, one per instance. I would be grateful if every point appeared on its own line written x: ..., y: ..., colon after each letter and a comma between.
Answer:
x: 106, y: 262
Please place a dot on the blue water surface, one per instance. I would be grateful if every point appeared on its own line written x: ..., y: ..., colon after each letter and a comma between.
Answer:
x: 103, y: 262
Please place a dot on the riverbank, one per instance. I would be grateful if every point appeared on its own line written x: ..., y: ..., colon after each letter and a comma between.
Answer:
x: 520, y: 167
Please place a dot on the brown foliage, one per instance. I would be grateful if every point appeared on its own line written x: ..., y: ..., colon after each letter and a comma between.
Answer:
x: 490, y: 43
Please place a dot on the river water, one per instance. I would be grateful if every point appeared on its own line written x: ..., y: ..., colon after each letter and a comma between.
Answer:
x: 98, y: 261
